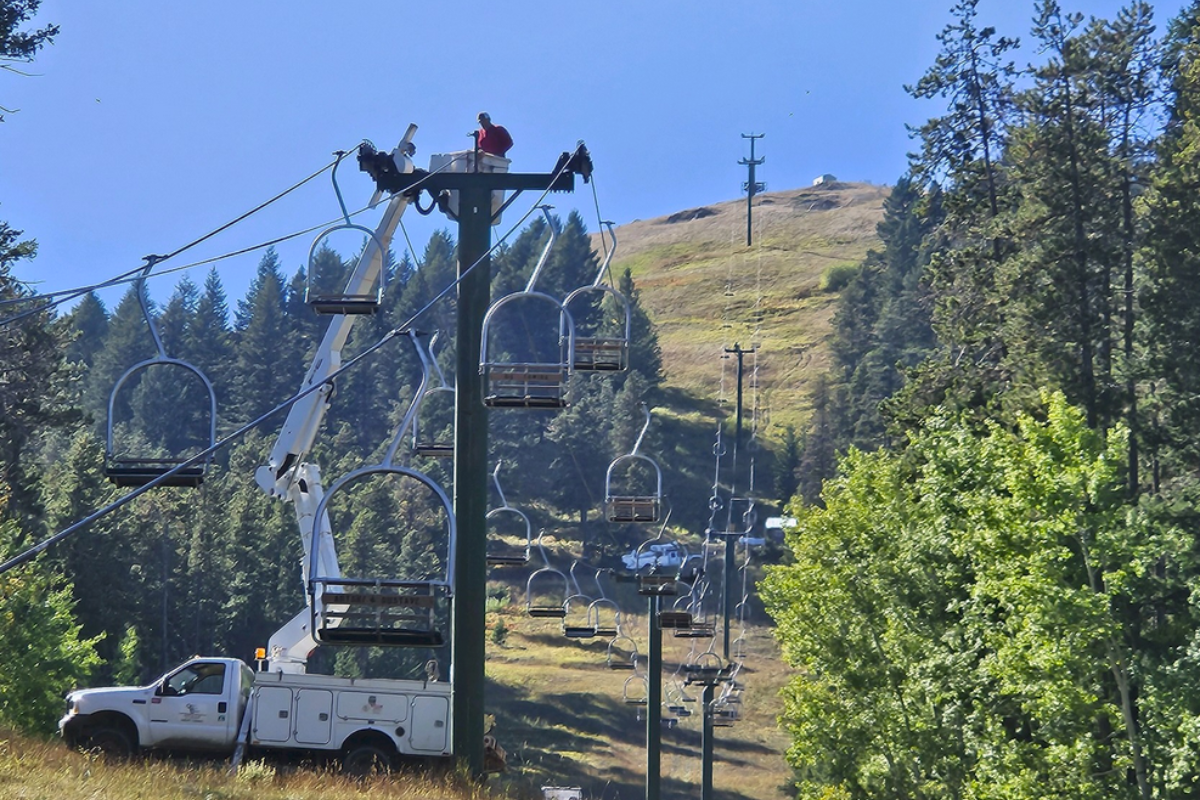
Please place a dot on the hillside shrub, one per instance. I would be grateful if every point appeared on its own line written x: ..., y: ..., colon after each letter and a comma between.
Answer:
x: 837, y: 277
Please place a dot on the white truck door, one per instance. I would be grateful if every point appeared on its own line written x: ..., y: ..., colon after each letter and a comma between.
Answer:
x: 272, y: 709
x: 314, y: 716
x: 429, y: 728
x: 192, y: 709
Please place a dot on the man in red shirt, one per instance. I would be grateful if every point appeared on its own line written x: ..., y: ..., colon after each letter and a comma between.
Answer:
x: 493, y: 139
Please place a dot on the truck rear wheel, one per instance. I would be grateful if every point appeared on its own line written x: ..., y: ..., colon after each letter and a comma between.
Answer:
x: 363, y: 760
x: 109, y: 741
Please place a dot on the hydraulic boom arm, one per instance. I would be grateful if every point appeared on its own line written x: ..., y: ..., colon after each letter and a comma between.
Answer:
x: 287, y: 474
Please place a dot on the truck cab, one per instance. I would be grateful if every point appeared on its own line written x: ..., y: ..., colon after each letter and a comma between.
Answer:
x: 196, y: 706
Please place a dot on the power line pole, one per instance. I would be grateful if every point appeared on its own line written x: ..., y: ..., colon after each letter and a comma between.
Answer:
x: 751, y: 187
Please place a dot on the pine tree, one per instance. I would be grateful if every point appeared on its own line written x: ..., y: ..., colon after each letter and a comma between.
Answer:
x: 88, y: 323
x: 645, y: 355
x: 33, y: 378
x: 1170, y: 298
x: 21, y: 45
x: 75, y: 487
x: 1062, y: 280
x: 583, y: 449
x: 208, y: 341
x: 882, y: 325
x: 1127, y: 60
x: 171, y: 403
x: 787, y: 466
x: 128, y: 343
x: 267, y: 364
x: 963, y: 152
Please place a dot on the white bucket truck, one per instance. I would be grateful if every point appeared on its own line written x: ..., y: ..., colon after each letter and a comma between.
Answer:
x: 206, y: 703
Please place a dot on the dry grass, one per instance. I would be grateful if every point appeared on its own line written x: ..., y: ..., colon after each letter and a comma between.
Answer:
x: 707, y: 291
x: 33, y: 769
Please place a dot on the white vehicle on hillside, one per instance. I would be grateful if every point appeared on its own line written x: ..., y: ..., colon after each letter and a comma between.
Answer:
x: 666, y: 556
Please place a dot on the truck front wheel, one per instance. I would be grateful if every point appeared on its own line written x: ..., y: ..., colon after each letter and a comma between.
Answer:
x: 363, y: 760
x: 109, y: 741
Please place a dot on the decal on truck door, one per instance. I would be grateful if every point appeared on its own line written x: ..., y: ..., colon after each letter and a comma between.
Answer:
x: 188, y: 706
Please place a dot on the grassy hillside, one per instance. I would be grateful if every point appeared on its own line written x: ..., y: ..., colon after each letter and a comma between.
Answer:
x: 33, y: 769
x: 706, y: 290
x: 559, y: 708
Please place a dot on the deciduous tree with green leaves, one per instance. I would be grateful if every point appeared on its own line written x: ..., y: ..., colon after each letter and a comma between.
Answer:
x: 43, y: 652
x: 963, y: 619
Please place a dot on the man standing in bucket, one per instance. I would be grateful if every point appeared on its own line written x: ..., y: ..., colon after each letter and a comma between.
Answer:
x: 492, y: 139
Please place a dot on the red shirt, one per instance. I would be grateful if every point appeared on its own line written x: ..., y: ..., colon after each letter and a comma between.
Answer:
x: 495, y: 140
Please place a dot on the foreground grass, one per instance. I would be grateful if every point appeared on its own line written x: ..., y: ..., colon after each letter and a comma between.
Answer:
x: 35, y: 769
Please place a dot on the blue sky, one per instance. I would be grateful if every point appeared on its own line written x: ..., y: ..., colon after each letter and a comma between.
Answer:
x: 151, y: 123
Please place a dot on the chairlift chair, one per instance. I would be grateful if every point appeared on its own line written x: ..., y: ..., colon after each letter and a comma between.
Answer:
x: 661, y: 580
x: 624, y: 503
x: 573, y: 629
x: 131, y: 469
x: 706, y: 669
x: 541, y: 604
x: 382, y: 610
x: 364, y: 299
x: 597, y: 609
x: 572, y: 626
x: 600, y: 352
x: 738, y: 646
x: 622, y: 653
x: 724, y: 714
x: 536, y: 382
x: 636, y: 697
x: 676, y: 618
x: 675, y: 700
x: 700, y: 626
x: 698, y: 629
x: 425, y: 441
x: 495, y: 556
x: 675, y: 704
